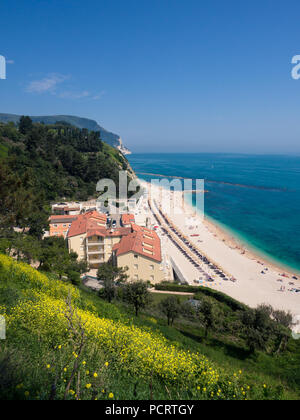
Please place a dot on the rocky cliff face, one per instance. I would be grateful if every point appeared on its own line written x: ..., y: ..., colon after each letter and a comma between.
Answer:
x: 122, y: 148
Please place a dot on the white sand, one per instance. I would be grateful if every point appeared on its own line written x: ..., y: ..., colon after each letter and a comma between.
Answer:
x: 251, y: 287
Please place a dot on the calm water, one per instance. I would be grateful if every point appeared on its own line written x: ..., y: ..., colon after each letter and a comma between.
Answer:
x: 256, y: 197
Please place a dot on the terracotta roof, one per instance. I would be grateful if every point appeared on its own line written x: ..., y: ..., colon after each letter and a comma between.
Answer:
x: 139, y: 243
x: 62, y: 219
x: 137, y: 228
x: 86, y: 221
x: 127, y: 219
x: 71, y: 208
x: 107, y: 232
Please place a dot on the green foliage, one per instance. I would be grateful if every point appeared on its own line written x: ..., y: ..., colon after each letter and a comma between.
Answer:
x: 25, y: 125
x: 3, y: 151
x: 171, y: 308
x: 20, y: 205
x: 111, y: 277
x: 67, y: 120
x: 51, y: 255
x: 221, y: 297
x: 207, y: 314
x: 74, y: 278
x: 65, y: 162
x: 45, y: 163
x: 137, y: 294
x: 29, y: 364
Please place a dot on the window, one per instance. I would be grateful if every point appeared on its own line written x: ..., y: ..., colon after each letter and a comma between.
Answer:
x: 151, y: 267
x: 136, y: 266
x: 152, y: 278
x: 136, y: 277
x: 148, y: 245
x: 136, y: 256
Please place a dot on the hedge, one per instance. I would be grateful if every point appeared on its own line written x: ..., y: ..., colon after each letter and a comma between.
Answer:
x: 219, y: 296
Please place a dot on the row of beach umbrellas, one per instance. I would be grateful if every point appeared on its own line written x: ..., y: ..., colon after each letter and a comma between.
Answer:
x: 208, y: 269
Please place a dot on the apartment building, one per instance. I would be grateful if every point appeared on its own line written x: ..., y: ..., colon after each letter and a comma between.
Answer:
x: 133, y: 246
x: 71, y: 209
x: 140, y: 251
x: 90, y: 221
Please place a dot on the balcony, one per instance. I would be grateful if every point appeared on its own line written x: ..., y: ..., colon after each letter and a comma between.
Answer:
x: 94, y: 249
x: 95, y: 240
x: 96, y: 252
x: 95, y: 259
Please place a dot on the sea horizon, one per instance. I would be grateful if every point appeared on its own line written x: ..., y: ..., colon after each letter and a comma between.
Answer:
x: 261, y: 154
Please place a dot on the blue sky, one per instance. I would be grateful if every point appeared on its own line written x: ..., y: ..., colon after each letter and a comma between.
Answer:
x: 167, y: 75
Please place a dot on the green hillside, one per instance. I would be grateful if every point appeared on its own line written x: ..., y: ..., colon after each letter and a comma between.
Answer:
x: 91, y: 125
x: 63, y: 162
x: 66, y: 343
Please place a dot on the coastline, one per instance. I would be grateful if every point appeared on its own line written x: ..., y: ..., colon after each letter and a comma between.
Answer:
x: 256, y: 280
x: 228, y: 236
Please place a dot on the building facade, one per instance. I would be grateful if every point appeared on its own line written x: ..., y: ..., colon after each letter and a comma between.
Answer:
x: 132, y: 246
x: 60, y: 225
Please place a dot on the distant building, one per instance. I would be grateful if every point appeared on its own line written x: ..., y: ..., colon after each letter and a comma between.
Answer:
x: 71, y: 209
x: 60, y: 225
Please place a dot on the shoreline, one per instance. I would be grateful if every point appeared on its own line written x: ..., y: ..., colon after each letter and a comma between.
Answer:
x: 225, y: 235
x: 256, y: 280
x: 252, y: 253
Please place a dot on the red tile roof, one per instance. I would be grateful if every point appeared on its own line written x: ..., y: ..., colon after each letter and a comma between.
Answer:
x: 86, y: 221
x: 71, y: 208
x: 62, y: 219
x: 139, y: 243
x: 137, y: 228
x: 127, y: 219
x: 107, y: 232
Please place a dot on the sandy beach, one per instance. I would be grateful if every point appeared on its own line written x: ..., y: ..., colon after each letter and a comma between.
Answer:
x: 256, y: 280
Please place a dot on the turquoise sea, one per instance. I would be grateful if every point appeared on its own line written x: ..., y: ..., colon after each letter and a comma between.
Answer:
x: 257, y: 198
